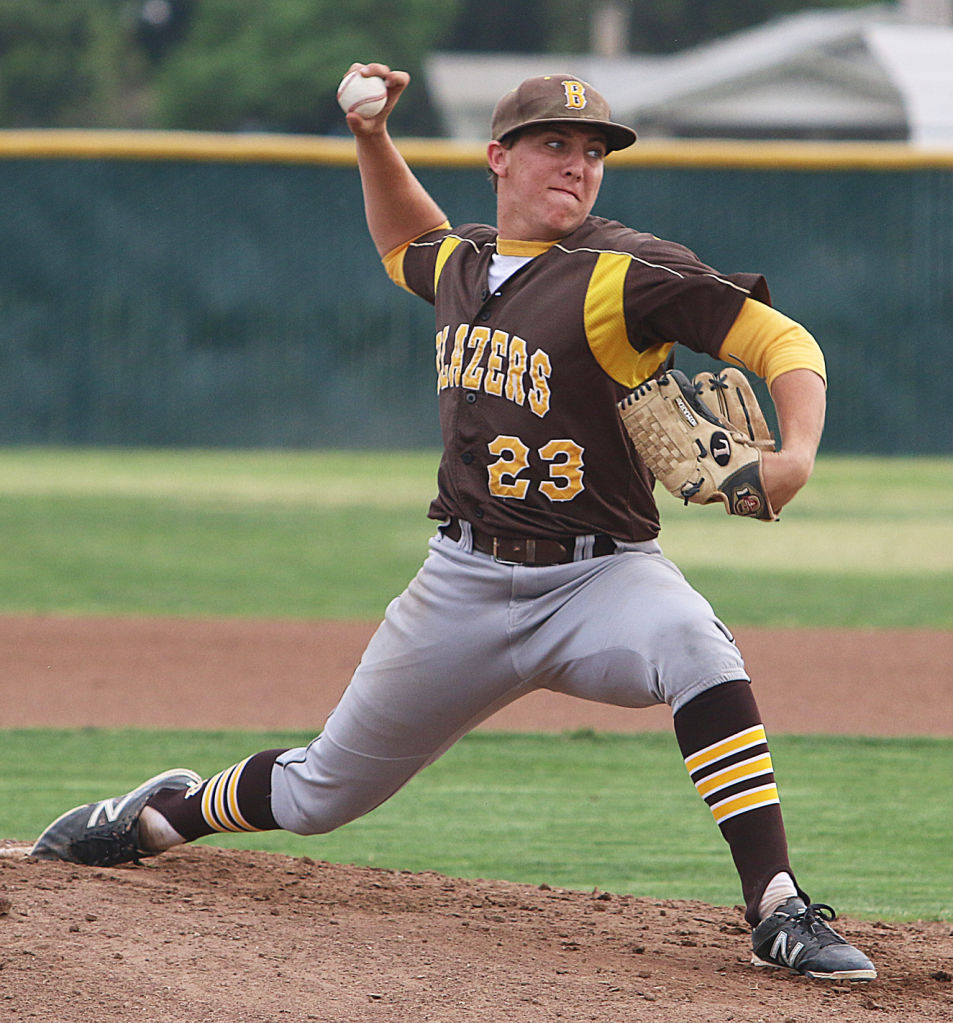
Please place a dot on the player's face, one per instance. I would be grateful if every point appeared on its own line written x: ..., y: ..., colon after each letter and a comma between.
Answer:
x: 548, y: 180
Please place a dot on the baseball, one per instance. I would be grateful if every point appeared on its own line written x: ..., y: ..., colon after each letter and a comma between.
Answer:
x: 360, y: 95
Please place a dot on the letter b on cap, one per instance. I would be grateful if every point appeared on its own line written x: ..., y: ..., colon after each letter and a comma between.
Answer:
x: 575, y: 95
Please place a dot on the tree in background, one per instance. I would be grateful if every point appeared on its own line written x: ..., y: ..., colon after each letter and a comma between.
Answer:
x: 205, y: 64
x: 250, y: 65
x: 226, y: 65
x: 63, y: 64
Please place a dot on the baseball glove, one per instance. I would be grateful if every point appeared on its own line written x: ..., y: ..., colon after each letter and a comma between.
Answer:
x: 703, y: 439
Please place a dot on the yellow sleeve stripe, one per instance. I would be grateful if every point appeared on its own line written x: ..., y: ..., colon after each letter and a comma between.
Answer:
x: 769, y: 343
x: 394, y: 265
x: 394, y: 260
x: 751, y: 800
x: 443, y: 254
x: 733, y: 744
x: 606, y: 332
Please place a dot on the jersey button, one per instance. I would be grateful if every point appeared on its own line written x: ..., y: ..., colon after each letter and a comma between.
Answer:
x: 467, y: 458
x: 478, y: 513
x: 471, y: 398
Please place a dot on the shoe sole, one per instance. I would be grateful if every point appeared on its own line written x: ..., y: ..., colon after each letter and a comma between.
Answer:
x: 816, y: 975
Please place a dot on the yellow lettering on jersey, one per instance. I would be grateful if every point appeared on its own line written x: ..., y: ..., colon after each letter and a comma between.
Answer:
x: 441, y: 355
x: 497, y: 362
x: 514, y: 375
x: 456, y: 360
x: 479, y: 339
x: 540, y: 369
x: 512, y: 459
x: 575, y: 95
x: 563, y: 460
x: 493, y: 382
x: 565, y: 470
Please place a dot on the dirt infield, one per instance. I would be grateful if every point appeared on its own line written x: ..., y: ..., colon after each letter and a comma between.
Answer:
x: 170, y: 673
x: 202, y: 935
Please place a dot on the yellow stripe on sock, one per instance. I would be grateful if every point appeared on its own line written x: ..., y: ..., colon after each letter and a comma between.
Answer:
x: 733, y: 744
x: 208, y: 811
x: 737, y: 772
x: 764, y: 795
x: 231, y: 796
x: 212, y: 806
x: 220, y: 801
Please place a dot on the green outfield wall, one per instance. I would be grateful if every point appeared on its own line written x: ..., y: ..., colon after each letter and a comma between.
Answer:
x: 211, y: 290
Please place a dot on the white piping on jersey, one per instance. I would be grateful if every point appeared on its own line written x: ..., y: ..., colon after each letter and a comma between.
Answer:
x: 645, y: 262
x: 439, y: 241
x: 476, y: 246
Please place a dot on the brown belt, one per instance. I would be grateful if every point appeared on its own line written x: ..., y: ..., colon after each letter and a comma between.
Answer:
x: 534, y: 551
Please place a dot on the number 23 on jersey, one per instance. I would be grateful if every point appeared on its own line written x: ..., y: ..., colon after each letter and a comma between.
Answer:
x: 510, y: 475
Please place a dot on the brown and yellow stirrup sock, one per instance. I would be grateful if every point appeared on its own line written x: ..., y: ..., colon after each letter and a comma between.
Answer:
x: 236, y: 799
x: 725, y: 748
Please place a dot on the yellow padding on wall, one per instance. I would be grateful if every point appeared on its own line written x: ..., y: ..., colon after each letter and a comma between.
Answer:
x: 251, y: 147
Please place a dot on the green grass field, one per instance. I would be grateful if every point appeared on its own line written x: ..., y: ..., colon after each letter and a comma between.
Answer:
x: 293, y: 534
x: 309, y: 535
x: 868, y: 819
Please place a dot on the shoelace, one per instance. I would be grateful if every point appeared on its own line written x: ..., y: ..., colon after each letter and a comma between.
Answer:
x: 815, y: 919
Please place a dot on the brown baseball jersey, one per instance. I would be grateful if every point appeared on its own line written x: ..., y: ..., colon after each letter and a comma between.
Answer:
x: 528, y: 375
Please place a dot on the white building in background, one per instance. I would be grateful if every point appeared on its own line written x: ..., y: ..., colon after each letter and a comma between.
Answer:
x: 879, y: 72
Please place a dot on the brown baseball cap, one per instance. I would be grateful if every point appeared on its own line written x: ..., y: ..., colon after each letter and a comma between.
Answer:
x: 561, y: 98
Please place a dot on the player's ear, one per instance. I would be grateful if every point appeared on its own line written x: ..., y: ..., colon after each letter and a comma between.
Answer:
x: 496, y: 157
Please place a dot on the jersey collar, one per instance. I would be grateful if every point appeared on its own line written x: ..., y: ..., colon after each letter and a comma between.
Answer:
x: 514, y: 247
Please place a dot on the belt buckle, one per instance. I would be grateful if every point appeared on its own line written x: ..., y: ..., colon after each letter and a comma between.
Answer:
x: 529, y: 551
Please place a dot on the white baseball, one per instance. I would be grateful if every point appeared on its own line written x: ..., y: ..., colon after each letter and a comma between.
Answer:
x: 360, y: 95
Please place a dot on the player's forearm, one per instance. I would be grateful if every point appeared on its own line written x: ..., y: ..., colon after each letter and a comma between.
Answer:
x: 396, y: 205
x: 800, y: 401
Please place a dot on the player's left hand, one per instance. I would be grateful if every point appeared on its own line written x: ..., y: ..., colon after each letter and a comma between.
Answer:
x: 697, y: 453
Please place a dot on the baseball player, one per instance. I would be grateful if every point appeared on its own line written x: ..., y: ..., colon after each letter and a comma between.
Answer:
x: 544, y: 570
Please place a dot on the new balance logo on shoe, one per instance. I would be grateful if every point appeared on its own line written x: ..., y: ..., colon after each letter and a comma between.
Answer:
x: 109, y: 809
x: 779, y: 950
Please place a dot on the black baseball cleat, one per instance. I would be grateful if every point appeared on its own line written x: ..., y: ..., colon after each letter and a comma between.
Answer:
x: 797, y: 937
x: 106, y: 833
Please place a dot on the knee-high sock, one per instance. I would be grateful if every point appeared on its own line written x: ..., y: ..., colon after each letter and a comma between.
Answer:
x: 236, y: 799
x: 726, y: 752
